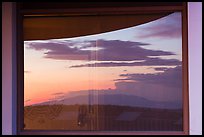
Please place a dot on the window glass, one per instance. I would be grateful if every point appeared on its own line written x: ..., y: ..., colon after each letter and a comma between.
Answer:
x: 124, y: 80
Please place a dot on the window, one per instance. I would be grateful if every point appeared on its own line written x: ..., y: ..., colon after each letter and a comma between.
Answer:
x: 102, y: 70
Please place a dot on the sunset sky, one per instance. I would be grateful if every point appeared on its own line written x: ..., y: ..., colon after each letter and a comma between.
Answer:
x: 147, y: 57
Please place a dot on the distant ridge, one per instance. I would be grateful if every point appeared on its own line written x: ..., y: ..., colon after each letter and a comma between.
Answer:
x: 116, y: 99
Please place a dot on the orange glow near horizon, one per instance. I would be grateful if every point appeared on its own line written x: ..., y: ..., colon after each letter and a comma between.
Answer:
x: 40, y: 85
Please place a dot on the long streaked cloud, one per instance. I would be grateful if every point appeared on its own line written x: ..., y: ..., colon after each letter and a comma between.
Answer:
x: 168, y: 27
x: 147, y: 62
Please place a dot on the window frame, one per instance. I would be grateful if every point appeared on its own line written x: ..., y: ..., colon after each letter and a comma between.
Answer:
x: 20, y: 13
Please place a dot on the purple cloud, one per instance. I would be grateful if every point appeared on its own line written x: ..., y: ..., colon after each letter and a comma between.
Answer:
x: 168, y: 27
x: 170, y: 77
x: 60, y: 51
x: 165, y: 86
x: 112, y: 50
x: 116, y: 50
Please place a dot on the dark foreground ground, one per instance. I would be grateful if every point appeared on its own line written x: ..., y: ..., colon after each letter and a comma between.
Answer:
x: 102, y: 118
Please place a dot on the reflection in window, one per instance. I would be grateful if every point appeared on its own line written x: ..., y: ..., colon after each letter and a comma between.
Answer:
x: 125, y: 80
